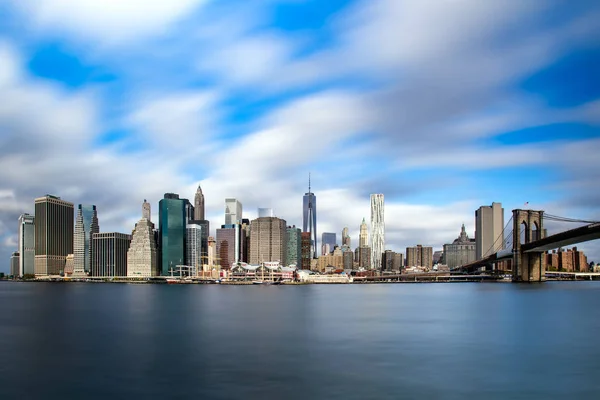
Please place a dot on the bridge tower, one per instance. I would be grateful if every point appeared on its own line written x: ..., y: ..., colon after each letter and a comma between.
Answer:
x: 528, y: 267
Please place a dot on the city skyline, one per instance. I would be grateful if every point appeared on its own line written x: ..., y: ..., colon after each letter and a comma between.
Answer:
x: 439, y: 108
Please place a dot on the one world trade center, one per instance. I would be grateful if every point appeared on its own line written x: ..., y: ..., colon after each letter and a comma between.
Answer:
x: 309, y: 218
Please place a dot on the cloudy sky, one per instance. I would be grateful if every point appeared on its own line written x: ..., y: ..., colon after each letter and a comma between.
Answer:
x: 443, y: 106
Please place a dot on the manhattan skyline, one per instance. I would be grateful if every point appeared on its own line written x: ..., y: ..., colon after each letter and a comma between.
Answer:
x: 442, y: 109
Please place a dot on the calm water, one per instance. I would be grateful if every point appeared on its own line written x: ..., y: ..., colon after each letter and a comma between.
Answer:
x: 478, y: 340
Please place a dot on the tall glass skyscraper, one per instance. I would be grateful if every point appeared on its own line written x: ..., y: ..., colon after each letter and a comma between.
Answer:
x: 309, y: 218
x: 26, y: 244
x: 86, y: 225
x: 172, y: 221
x: 233, y: 212
x: 53, y: 234
x: 328, y: 242
x: 377, y: 230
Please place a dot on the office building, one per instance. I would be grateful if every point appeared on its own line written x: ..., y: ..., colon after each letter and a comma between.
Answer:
x: 294, y: 246
x: 265, y: 212
x: 461, y: 251
x: 363, y: 238
x: 398, y: 262
x: 309, y: 218
x: 333, y: 261
x: 377, y: 230
x: 146, y: 211
x: 364, y: 257
x: 419, y: 256
x: 26, y: 244
x: 268, y: 240
x: 305, y: 250
x: 86, y: 225
x: 14, y: 264
x: 233, y: 212
x: 213, y: 259
x: 110, y: 254
x: 199, y: 205
x: 195, y: 256
x: 227, y: 242
x: 69, y: 265
x: 172, y: 222
x: 345, y: 237
x: 142, y: 257
x: 489, y: 226
x: 348, y: 256
x: 53, y: 234
x: 328, y: 243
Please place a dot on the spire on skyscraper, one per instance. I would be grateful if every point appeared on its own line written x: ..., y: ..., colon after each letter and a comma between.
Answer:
x: 199, y: 205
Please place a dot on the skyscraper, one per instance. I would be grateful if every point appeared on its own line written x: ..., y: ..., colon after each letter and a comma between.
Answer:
x: 86, y: 225
x: 489, y: 224
x: 309, y: 218
x: 305, y: 250
x: 146, y: 212
x: 172, y: 221
x: 345, y: 237
x: 199, y: 205
x: 53, y: 234
x: 363, y: 239
x: 26, y: 244
x: 228, y: 245
x: 328, y: 242
x: 110, y: 254
x: 14, y: 264
x: 142, y: 259
x: 268, y: 240
x: 294, y: 246
x: 377, y: 230
x: 194, y: 254
x: 233, y: 211
x: 419, y: 256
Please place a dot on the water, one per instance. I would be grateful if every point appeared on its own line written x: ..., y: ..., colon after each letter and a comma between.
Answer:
x: 386, y: 341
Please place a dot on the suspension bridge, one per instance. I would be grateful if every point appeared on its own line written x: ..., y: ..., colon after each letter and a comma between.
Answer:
x: 523, y: 242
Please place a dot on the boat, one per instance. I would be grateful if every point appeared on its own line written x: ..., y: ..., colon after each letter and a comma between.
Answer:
x: 173, y: 280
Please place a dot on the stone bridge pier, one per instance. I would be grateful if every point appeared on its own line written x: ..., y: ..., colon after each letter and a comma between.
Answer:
x: 528, y: 226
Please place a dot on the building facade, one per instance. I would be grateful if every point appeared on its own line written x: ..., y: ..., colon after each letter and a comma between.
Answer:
x: 489, y: 226
x: 377, y: 230
x: 195, y: 257
x: 309, y: 218
x: 146, y: 211
x: 328, y: 242
x: 110, y: 254
x: 419, y: 256
x: 364, y: 257
x: 398, y: 262
x: 268, y: 240
x: 461, y: 251
x: 142, y: 257
x: 14, y: 264
x: 305, y: 250
x: 86, y: 225
x: 227, y: 243
x: 294, y: 246
x: 26, y: 244
x: 53, y: 234
x: 345, y: 237
x: 363, y: 238
x: 172, y: 222
x: 199, y: 205
x: 569, y: 260
x: 233, y: 212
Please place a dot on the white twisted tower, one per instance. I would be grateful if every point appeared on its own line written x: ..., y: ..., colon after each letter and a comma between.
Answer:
x: 377, y: 230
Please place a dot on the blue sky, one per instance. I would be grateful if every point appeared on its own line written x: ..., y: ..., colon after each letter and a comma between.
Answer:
x: 443, y: 106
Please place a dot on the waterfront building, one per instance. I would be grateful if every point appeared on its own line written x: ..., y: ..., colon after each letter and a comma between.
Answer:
x: 86, y: 225
x: 227, y: 241
x: 268, y: 240
x: 333, y: 261
x: 199, y: 205
x: 110, y: 254
x: 14, y: 264
x: 245, y: 240
x: 388, y: 259
x: 305, y: 250
x: 233, y: 211
x: 461, y: 251
x: 172, y: 221
x: 53, y: 234
x: 142, y: 257
x: 265, y: 212
x: 419, y: 256
x: 69, y: 264
x: 194, y: 255
x: 398, y: 262
x: 377, y: 230
x: 364, y: 257
x: 489, y: 226
x: 328, y: 242
x: 212, y: 253
x: 363, y: 238
x: 294, y: 246
x: 26, y: 244
x: 567, y: 260
x: 309, y: 218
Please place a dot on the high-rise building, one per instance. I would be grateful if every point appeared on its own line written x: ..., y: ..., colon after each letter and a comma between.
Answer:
x: 172, y: 221
x: 86, y: 224
x: 110, y: 254
x: 305, y: 250
x: 377, y: 230
x: 212, y: 253
x: 398, y: 262
x: 461, y: 251
x: 265, y: 212
x: 227, y: 242
x: 328, y: 243
x: 53, y: 234
x: 348, y: 255
x: 14, y: 264
x: 294, y: 246
x: 142, y: 258
x: 364, y: 257
x: 363, y: 238
x: 268, y: 240
x: 309, y: 218
x: 199, y: 205
x: 146, y: 211
x: 388, y: 260
x: 345, y: 237
x: 26, y: 244
x: 419, y: 256
x: 489, y: 226
x: 194, y: 246
x: 233, y: 211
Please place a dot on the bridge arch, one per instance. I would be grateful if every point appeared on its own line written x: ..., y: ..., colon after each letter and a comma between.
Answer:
x: 527, y: 267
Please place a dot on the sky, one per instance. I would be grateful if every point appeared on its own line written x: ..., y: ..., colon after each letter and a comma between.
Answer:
x: 442, y: 106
